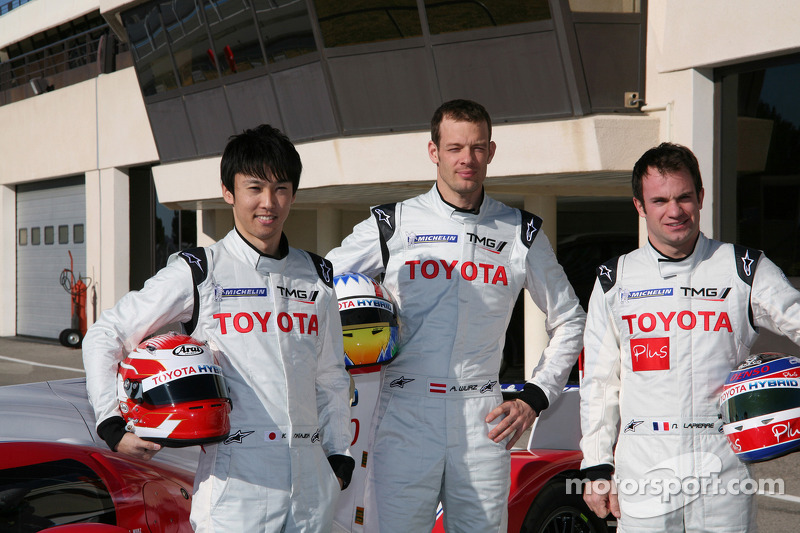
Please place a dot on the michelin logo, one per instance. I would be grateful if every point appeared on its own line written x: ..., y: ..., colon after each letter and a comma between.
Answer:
x: 239, y: 292
x: 647, y: 293
x: 436, y: 237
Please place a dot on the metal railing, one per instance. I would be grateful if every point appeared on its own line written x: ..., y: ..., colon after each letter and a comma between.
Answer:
x: 58, y: 64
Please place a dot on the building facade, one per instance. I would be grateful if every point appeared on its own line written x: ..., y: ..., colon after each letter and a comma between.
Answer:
x: 117, y: 112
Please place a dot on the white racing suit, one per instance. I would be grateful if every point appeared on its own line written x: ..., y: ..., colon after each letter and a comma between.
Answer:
x: 274, y: 324
x: 661, y: 338
x: 455, y: 276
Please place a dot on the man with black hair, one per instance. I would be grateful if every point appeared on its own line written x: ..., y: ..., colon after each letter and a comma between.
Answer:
x: 455, y: 260
x: 666, y: 325
x: 279, y: 344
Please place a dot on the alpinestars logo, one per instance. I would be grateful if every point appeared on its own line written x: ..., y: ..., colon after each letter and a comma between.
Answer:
x: 747, y: 263
x: 326, y: 271
x: 315, y: 436
x: 194, y: 260
x: 530, y: 230
x: 383, y: 217
x: 605, y: 271
x: 632, y: 425
x: 400, y: 382
x: 237, y: 437
x: 488, y: 387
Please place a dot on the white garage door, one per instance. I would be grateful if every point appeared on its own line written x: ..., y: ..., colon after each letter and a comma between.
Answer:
x: 51, y: 222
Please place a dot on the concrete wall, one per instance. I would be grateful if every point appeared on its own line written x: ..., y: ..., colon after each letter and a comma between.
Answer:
x: 99, y: 123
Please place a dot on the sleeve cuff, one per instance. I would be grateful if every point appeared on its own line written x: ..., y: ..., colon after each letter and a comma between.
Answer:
x: 111, y: 430
x: 594, y: 473
x: 342, y: 466
x: 535, y: 397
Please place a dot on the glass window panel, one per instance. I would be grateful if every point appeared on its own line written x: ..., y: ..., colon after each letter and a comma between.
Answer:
x: 367, y: 21
x: 234, y: 33
x: 49, y: 235
x: 63, y: 234
x: 188, y: 35
x: 49, y: 493
x: 77, y: 233
x: 606, y: 6
x: 148, y: 42
x: 285, y: 27
x: 445, y: 16
x: 768, y: 164
x: 36, y: 236
x: 23, y: 236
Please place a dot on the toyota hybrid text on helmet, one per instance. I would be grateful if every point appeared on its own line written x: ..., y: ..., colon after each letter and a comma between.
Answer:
x: 369, y: 320
x: 171, y: 391
x: 760, y: 407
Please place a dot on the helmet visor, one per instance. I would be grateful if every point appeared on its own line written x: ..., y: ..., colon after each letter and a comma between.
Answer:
x: 187, y: 389
x: 370, y: 345
x: 759, y: 403
x: 367, y: 316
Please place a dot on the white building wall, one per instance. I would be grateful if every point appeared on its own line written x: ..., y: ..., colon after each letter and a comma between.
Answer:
x: 91, y: 128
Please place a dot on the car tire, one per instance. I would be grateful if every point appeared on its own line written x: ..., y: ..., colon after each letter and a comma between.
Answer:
x: 71, y: 338
x: 555, y: 510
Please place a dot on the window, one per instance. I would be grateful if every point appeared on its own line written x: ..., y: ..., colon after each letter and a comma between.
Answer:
x: 234, y: 33
x: 148, y: 43
x: 188, y: 37
x: 760, y: 169
x: 285, y: 27
x: 77, y: 233
x: 49, y: 235
x: 36, y: 238
x: 63, y: 234
x: 367, y: 21
x: 446, y: 16
x: 23, y: 236
x: 52, y: 493
x: 606, y: 6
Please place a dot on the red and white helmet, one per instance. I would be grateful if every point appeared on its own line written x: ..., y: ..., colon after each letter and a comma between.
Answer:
x: 760, y: 406
x: 171, y: 391
x: 369, y: 320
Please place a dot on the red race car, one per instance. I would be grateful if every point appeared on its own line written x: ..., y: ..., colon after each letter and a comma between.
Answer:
x: 49, y: 484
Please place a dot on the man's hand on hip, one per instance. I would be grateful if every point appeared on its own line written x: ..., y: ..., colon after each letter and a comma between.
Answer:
x: 518, y: 418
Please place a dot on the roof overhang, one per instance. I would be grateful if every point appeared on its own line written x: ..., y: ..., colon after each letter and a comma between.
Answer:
x: 588, y: 156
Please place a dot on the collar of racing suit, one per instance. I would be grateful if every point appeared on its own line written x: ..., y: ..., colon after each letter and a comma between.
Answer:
x: 475, y: 211
x: 283, y: 246
x: 262, y: 262
x: 668, y: 267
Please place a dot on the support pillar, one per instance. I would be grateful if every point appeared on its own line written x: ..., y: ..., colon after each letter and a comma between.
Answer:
x: 8, y: 263
x: 536, y: 337
x: 107, y: 238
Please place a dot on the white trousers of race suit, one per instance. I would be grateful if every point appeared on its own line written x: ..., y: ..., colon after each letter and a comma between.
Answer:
x: 426, y: 448
x: 269, y: 488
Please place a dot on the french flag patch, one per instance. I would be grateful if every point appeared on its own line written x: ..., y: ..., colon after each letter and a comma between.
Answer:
x: 660, y: 426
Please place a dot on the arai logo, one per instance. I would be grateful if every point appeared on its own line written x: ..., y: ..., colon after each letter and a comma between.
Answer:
x: 188, y: 349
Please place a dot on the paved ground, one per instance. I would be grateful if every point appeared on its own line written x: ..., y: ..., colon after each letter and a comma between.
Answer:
x: 24, y: 360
